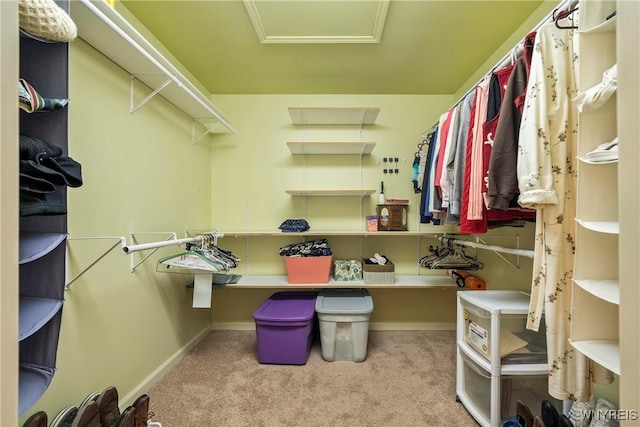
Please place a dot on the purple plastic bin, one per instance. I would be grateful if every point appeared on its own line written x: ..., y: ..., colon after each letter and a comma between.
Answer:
x: 285, y: 327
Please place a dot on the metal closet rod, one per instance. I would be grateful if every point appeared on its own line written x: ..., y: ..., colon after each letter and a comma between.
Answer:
x: 565, y: 5
x: 202, y: 238
x: 522, y: 252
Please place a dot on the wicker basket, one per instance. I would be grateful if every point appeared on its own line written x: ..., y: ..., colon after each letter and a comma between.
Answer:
x: 376, y: 274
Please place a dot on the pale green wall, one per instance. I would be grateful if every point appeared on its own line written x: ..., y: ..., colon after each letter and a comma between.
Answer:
x: 252, y: 169
x: 141, y: 174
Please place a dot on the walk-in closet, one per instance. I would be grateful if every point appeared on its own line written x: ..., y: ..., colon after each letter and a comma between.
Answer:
x: 349, y: 213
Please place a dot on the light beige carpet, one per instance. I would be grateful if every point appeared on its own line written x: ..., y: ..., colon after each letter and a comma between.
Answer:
x: 407, y: 380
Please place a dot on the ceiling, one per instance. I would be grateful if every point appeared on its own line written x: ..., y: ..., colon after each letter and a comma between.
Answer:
x: 332, y: 46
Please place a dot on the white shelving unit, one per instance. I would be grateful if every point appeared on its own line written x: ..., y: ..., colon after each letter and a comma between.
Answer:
x: 109, y: 32
x: 337, y: 117
x: 331, y: 147
x: 334, y: 115
x: 330, y: 193
x: 596, y: 288
x: 400, y: 282
x: 498, y: 360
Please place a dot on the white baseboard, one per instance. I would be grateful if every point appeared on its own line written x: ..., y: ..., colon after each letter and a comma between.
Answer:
x: 422, y: 326
x: 158, y: 373
x: 381, y: 326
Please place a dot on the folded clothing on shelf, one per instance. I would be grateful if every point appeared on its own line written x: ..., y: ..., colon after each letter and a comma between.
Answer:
x: 294, y: 226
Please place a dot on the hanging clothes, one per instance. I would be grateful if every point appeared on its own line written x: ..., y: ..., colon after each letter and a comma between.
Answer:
x: 466, y: 225
x: 502, y: 173
x: 456, y: 171
x: 547, y: 182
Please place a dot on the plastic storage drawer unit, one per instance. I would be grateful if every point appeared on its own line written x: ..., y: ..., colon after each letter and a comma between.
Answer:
x: 514, y: 340
x: 530, y: 389
x: 285, y: 327
x: 344, y: 323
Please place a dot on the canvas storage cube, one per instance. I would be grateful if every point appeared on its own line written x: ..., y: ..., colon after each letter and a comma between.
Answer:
x: 343, y: 316
x: 347, y: 270
x: 285, y: 327
x: 308, y: 269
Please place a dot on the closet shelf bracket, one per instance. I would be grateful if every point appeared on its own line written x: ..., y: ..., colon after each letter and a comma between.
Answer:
x: 135, y: 107
x: 119, y: 241
x: 209, y: 128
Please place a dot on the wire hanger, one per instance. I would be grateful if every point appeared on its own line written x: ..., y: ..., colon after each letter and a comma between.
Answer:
x: 559, y: 15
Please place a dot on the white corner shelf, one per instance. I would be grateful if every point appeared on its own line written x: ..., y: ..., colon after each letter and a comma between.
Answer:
x: 303, y: 147
x: 605, y: 353
x: 331, y: 193
x: 110, y: 33
x: 334, y: 115
x: 608, y: 227
x: 605, y: 289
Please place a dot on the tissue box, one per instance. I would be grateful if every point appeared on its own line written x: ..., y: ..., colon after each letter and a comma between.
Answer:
x: 376, y: 274
x: 347, y: 270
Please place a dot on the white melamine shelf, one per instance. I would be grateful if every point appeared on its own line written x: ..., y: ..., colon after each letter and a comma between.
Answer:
x: 605, y: 289
x: 400, y: 282
x: 334, y: 115
x: 591, y: 162
x: 331, y: 147
x: 608, y: 227
x: 331, y: 193
x: 316, y: 233
x: 607, y: 26
x: 106, y: 30
x: 604, y: 352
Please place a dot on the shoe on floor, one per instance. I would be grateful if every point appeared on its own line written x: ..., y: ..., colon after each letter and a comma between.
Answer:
x: 537, y: 422
x: 127, y: 418
x: 580, y: 413
x: 39, y: 419
x: 523, y: 414
x: 88, y: 416
x: 565, y: 421
x: 549, y: 414
x: 65, y: 417
x: 108, y: 406
x: 141, y: 411
x: 91, y: 397
x: 604, y: 414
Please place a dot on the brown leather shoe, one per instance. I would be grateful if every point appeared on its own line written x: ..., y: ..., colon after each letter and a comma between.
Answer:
x: 39, y: 419
x: 141, y: 411
x: 524, y: 415
x: 65, y: 417
x: 537, y: 422
x: 108, y: 406
x: 88, y: 416
x: 127, y: 418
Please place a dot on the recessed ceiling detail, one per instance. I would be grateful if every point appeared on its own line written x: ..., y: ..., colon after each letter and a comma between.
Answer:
x: 318, y: 21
